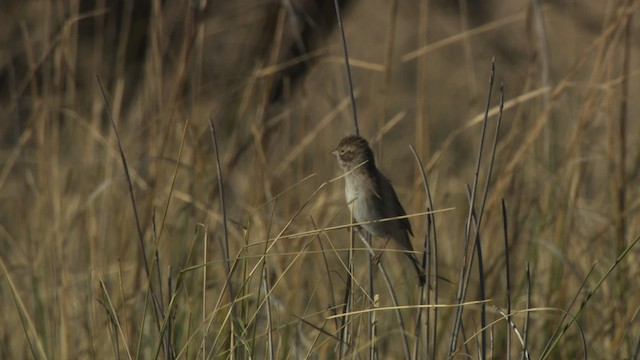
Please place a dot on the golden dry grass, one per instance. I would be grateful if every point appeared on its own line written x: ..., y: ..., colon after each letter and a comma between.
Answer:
x: 72, y: 277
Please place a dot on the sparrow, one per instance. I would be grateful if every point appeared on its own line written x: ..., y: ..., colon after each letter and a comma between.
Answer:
x: 371, y: 196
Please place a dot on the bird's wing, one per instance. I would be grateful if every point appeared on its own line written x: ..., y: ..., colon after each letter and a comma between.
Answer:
x: 372, y: 185
x: 392, y: 204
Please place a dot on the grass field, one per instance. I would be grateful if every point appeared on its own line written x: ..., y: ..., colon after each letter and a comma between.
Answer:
x: 98, y: 262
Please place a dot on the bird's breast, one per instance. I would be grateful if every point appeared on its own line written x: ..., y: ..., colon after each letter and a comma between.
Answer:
x: 351, y: 190
x: 364, y: 205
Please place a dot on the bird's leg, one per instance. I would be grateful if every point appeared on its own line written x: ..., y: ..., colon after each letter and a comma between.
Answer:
x: 376, y: 258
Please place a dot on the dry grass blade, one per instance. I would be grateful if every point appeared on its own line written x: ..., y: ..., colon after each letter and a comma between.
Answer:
x: 541, y: 309
x: 555, y: 337
x: 462, y: 36
x: 427, y: 260
x: 276, y: 269
x: 425, y: 306
x: 15, y: 153
x: 173, y: 182
x: 158, y: 312
x: 113, y: 315
x: 347, y: 226
x: 527, y: 307
x: 225, y: 240
x: 507, y: 269
x: 126, y: 172
x: 270, y: 341
x: 393, y: 296
x: 365, y: 65
x: 512, y: 325
x: 465, y: 270
x: 35, y: 344
x: 347, y: 68
x: 274, y: 69
x: 588, y: 297
x: 558, y: 90
x: 294, y: 153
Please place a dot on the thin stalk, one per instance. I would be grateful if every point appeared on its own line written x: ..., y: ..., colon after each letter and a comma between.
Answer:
x: 347, y: 68
x: 508, y: 275
x: 465, y: 270
x: 227, y: 259
x: 427, y: 260
x: 394, y: 299
x: 156, y: 304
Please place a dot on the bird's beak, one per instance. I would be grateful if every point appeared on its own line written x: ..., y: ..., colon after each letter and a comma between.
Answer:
x: 334, y: 152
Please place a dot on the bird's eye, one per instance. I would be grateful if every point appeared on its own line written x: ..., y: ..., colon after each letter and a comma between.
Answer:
x: 341, y: 151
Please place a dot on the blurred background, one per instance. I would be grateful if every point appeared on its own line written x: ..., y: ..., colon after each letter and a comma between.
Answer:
x: 271, y: 76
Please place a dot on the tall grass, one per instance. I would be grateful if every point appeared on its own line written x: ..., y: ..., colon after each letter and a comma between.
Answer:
x: 264, y: 273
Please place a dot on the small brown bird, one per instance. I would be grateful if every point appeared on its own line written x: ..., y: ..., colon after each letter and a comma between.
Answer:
x: 372, y: 197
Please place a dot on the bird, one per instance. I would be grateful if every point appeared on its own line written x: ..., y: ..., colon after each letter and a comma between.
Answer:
x: 372, y: 197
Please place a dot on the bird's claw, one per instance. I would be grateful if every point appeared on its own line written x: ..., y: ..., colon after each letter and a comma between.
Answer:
x: 376, y: 258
